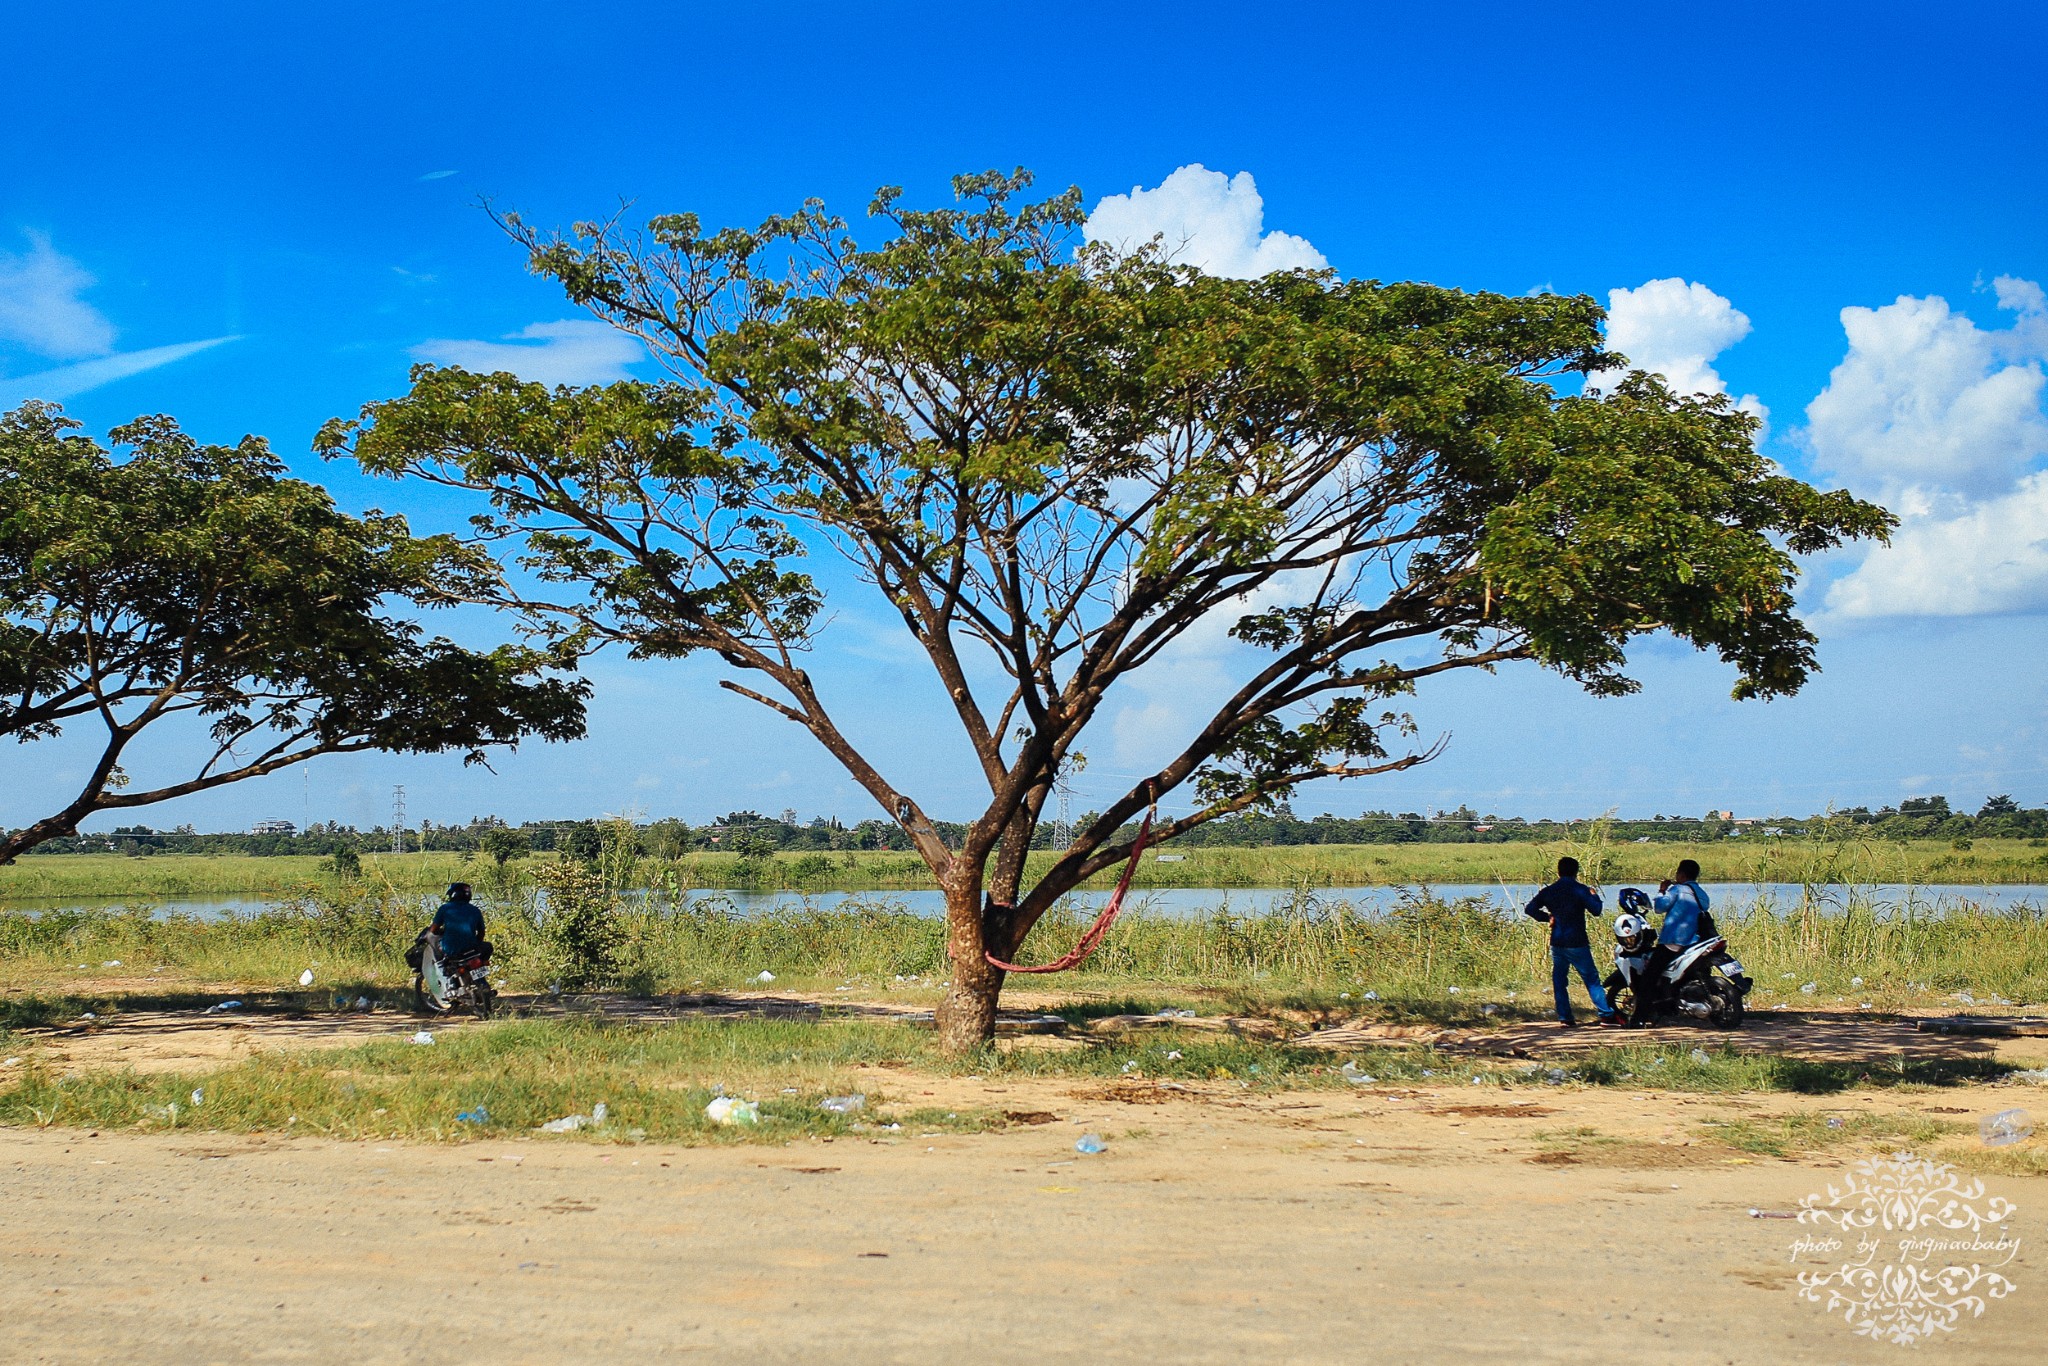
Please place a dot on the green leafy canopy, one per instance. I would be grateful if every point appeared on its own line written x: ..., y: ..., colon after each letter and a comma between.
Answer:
x: 195, y: 580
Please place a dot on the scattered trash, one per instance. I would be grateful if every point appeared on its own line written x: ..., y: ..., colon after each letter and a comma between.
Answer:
x: 306, y: 978
x: 2038, y: 1075
x: 1427, y: 1072
x: 1489, y: 1009
x: 1174, y: 1056
x: 1808, y: 989
x: 727, y: 1110
x: 1091, y: 1144
x: 88, y: 1015
x: 113, y: 963
x: 1456, y: 990
x: 2005, y: 1128
x: 1699, y: 1055
x: 1855, y: 981
x: 598, y: 1112
x: 477, y: 1116
x: 11, y: 1062
x: 1773, y: 1214
x: 567, y: 1124
x: 220, y: 1006
x: 1370, y: 996
x: 423, y: 1037
x: 1130, y: 1066
x: 1556, y: 1076
x: 766, y: 976
x: 1343, y: 995
x: 198, y: 1095
x: 362, y: 1003
x: 1351, y: 1072
x: 1177, y: 1013
x: 1834, y: 1121
x: 842, y: 1105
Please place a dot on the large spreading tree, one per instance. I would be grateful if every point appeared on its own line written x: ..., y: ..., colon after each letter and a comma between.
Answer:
x: 1054, y: 464
x: 197, y: 581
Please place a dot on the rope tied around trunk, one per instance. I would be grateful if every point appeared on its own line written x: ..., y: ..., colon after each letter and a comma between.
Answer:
x: 1092, y: 940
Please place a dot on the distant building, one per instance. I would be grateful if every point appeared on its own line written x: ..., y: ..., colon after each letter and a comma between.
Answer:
x: 273, y: 828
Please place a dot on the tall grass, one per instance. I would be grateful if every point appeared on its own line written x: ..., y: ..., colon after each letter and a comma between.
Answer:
x: 1316, y: 943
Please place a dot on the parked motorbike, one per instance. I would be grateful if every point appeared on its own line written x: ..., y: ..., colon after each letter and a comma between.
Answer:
x: 1701, y: 982
x: 442, y: 985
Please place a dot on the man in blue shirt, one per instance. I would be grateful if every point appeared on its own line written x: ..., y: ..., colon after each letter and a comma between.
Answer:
x: 460, y: 924
x: 1681, y: 902
x: 1564, y: 905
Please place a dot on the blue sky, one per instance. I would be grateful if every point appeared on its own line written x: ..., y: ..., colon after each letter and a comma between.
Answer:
x: 255, y: 217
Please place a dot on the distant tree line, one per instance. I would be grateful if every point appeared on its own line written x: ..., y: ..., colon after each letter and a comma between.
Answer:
x: 750, y: 834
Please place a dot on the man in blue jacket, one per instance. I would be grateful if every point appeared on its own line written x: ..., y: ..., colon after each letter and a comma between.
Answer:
x: 1564, y: 905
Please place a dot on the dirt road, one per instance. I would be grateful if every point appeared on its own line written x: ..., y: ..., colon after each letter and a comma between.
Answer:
x: 1392, y: 1226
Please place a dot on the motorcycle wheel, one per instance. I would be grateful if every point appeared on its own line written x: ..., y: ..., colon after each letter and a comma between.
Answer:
x: 1725, y: 1009
x: 1621, y: 997
x: 423, y: 1003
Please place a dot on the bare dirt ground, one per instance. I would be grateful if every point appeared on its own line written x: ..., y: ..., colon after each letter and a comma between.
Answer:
x: 153, y: 1034
x: 1410, y: 1225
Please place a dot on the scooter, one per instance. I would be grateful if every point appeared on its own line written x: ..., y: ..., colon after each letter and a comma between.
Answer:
x: 1701, y: 982
x: 442, y: 986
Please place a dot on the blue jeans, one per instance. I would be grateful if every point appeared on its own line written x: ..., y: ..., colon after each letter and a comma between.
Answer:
x: 1563, y: 959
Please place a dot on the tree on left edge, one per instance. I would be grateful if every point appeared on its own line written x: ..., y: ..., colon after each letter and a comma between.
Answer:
x: 197, y: 581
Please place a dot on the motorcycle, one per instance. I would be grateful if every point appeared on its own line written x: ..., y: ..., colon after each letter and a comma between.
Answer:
x: 442, y: 985
x: 1701, y: 982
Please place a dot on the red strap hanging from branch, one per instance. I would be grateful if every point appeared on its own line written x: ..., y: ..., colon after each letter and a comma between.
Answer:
x: 1092, y: 940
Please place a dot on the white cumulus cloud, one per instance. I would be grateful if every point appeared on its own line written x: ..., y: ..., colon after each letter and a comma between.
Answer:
x: 1205, y: 219
x: 573, y: 351
x: 40, y: 308
x: 1675, y: 328
x: 1942, y: 421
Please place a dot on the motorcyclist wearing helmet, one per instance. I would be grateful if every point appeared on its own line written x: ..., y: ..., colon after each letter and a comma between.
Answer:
x: 460, y: 925
x: 1564, y: 906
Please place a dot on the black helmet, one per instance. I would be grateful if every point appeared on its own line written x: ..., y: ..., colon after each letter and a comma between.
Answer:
x: 458, y: 891
x: 1635, y: 899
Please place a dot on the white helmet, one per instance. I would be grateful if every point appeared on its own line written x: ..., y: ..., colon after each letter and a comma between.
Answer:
x: 1628, y: 926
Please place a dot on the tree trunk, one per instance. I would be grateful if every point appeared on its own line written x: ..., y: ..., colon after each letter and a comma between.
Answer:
x: 967, y: 1013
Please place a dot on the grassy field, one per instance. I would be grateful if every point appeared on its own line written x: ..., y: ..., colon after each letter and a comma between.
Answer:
x: 655, y: 1081
x: 105, y: 877
x: 1445, y: 960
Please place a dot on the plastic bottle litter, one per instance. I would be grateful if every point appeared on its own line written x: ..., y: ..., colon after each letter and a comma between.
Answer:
x: 111, y: 963
x: 2005, y: 1128
x: 1090, y: 1145
x: 1855, y: 981
x: 477, y: 1116
x: 842, y: 1105
x: 598, y: 1112
x: 1808, y: 989
x: 306, y: 978
x: 1699, y: 1055
x: 1834, y: 1121
x: 1174, y: 1056
x: 1370, y: 996
x: 217, y: 1007
x: 765, y: 976
x: 423, y: 1037
x: 567, y: 1124
x: 1456, y: 990
x: 729, y: 1110
x: 199, y: 1095
x: 362, y: 1003
x: 1351, y: 1072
